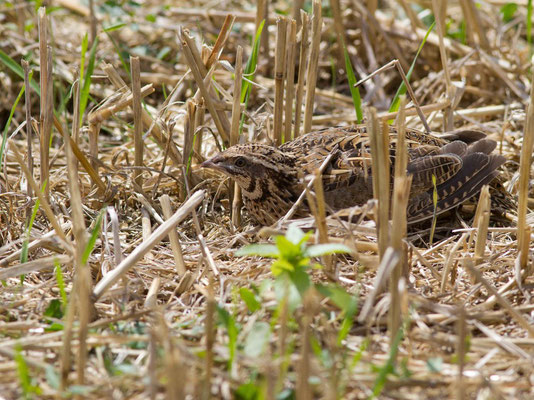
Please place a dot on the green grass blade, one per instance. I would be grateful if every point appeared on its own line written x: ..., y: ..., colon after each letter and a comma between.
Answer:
x: 25, y: 381
x: 85, y: 45
x: 529, y: 24
x: 8, y: 124
x: 228, y: 320
x: 61, y: 285
x: 402, y: 88
x: 119, y: 53
x: 252, y: 62
x: 354, y: 91
x: 84, y: 96
x: 24, y: 252
x: 92, y: 239
x: 258, y: 249
x: 389, y: 367
x: 114, y: 27
x: 248, y: 73
x: 435, y: 203
x: 17, y: 69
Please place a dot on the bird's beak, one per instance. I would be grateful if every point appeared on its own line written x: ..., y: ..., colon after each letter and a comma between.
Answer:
x: 213, y: 163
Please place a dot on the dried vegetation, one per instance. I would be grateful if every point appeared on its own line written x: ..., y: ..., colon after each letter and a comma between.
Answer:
x: 124, y: 282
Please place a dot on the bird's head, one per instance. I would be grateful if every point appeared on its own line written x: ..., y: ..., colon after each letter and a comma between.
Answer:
x: 246, y: 163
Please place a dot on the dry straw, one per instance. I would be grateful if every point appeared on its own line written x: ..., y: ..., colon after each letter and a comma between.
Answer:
x: 311, y: 75
x: 279, y: 78
x: 462, y: 287
x: 523, y: 228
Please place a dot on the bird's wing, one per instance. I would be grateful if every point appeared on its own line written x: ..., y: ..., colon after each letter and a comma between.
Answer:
x: 433, y: 170
x: 443, y: 163
x: 477, y: 170
x: 350, y: 157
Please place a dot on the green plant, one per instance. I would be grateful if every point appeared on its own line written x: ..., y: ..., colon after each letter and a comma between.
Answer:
x: 354, y: 91
x: 17, y: 69
x: 248, y: 73
x: 402, y: 88
x: 92, y: 239
x: 61, y: 285
x: 508, y: 11
x: 24, y: 252
x: 435, y: 203
x: 529, y: 24
x: 8, y: 124
x: 389, y: 367
x: 86, y: 75
x: 293, y: 256
x: 29, y: 389
x: 228, y: 320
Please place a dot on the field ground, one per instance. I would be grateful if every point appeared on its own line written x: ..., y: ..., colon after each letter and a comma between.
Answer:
x: 183, y: 316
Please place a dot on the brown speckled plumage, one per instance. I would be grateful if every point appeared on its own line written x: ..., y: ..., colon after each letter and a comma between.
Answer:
x: 272, y: 178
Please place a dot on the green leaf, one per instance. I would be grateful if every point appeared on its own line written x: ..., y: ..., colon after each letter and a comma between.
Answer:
x: 280, y: 266
x: 37, y: 5
x: 8, y: 124
x: 81, y: 390
x: 508, y: 11
x: 301, y: 280
x: 402, y: 88
x: 61, y: 285
x: 435, y: 203
x: 257, y: 339
x: 25, y: 381
x: 52, y: 377
x: 318, y: 351
x: 248, y: 391
x: 262, y: 250
x: 288, y: 249
x: 54, y: 309
x: 17, y: 69
x: 326, y: 248
x: 529, y: 24
x: 250, y: 67
x: 434, y: 364
x: 359, y: 354
x: 228, y: 321
x: 294, y: 234
x: 24, y: 252
x: 248, y: 74
x: 347, y: 302
x: 85, y: 45
x: 389, y: 366
x: 84, y: 95
x: 339, y: 296
x: 250, y: 299
x: 164, y: 52
x: 114, y: 27
x: 283, y: 289
x: 126, y: 369
x: 354, y: 90
x: 54, y: 327
x: 92, y: 239
x: 287, y: 394
x: 22, y: 369
x: 50, y: 10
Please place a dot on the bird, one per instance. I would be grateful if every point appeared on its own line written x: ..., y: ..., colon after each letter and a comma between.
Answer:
x: 454, y: 166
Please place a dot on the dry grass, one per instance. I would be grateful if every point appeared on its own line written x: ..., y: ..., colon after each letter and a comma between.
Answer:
x: 161, y: 307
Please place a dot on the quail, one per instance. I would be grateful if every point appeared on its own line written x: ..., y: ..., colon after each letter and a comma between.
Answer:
x: 272, y: 179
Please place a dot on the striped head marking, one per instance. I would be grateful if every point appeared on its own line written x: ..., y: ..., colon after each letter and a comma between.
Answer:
x: 246, y: 163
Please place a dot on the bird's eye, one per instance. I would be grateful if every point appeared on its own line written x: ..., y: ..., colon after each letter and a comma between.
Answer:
x: 240, y: 162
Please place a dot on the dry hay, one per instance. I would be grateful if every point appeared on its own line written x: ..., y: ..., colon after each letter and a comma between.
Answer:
x: 157, y: 331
